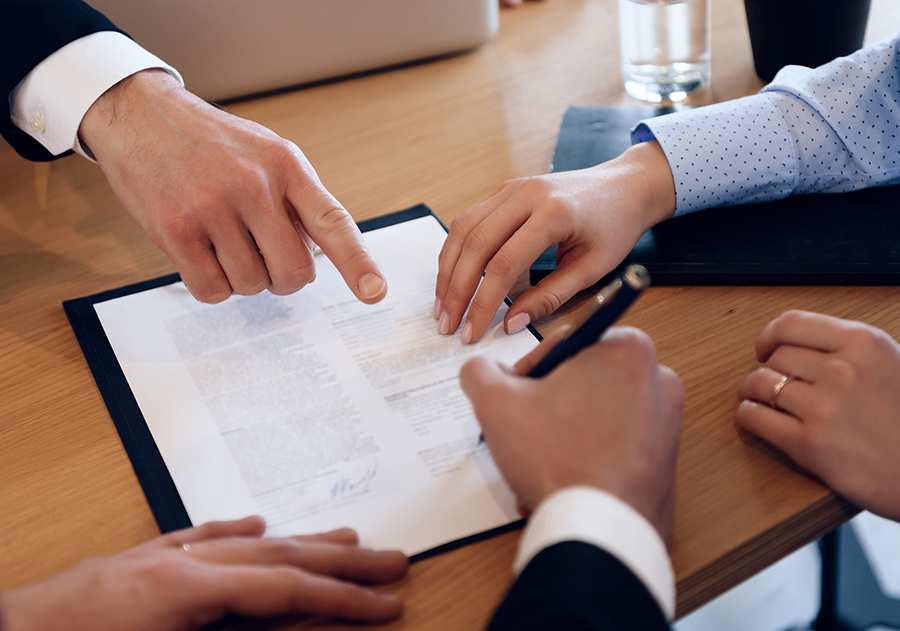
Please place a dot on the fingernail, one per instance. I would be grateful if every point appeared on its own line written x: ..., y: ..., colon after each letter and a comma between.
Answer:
x: 371, y: 285
x: 444, y: 324
x: 467, y: 333
x: 438, y: 308
x: 517, y: 323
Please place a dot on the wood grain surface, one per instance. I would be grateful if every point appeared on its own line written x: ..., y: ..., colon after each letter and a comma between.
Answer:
x: 445, y: 133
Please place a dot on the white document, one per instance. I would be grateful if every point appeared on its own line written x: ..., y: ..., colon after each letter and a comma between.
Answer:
x: 315, y: 410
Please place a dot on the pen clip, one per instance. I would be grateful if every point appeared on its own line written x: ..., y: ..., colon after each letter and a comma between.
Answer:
x: 596, y: 303
x: 637, y: 278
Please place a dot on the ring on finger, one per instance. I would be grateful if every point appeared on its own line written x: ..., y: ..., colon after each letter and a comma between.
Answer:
x: 773, y: 399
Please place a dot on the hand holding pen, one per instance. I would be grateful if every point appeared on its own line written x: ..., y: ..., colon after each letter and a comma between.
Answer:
x: 602, y: 311
x: 607, y: 418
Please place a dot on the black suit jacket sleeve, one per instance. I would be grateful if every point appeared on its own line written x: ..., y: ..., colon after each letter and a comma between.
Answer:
x: 575, y: 586
x: 30, y: 31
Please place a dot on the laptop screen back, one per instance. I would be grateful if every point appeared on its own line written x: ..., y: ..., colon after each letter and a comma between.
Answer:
x: 230, y: 48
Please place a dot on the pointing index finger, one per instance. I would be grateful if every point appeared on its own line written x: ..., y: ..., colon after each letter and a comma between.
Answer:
x: 332, y: 228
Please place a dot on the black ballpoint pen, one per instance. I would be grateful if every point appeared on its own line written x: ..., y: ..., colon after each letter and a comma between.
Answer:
x: 603, y: 310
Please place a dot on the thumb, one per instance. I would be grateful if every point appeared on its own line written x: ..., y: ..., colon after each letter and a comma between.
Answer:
x: 489, y: 385
x: 524, y: 365
x: 333, y: 229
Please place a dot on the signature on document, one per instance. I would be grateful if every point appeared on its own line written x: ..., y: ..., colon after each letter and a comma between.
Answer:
x: 357, y: 484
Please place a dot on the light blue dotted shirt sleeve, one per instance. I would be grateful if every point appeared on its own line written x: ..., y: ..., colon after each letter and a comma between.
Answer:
x: 826, y: 130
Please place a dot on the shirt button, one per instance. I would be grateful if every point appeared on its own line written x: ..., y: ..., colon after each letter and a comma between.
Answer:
x: 38, y: 124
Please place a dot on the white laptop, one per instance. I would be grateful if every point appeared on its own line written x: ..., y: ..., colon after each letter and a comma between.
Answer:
x: 230, y: 48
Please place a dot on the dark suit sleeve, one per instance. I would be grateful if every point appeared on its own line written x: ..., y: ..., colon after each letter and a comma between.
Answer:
x: 30, y: 31
x: 578, y: 587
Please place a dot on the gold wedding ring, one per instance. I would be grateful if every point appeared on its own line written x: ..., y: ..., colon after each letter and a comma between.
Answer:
x: 773, y: 400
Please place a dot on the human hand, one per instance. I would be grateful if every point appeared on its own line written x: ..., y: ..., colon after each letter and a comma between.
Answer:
x: 839, y: 415
x: 510, y: 3
x: 596, y: 216
x: 609, y: 418
x: 225, y: 568
x: 235, y: 207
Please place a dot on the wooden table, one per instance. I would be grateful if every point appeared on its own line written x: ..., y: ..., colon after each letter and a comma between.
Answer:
x: 445, y: 133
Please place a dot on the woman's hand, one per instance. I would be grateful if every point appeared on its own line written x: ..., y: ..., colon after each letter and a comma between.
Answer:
x: 838, y: 414
x: 596, y: 216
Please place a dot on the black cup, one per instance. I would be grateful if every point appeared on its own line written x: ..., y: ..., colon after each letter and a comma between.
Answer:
x: 803, y: 32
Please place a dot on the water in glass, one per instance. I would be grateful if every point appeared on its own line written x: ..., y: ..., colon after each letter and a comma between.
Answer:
x: 665, y: 47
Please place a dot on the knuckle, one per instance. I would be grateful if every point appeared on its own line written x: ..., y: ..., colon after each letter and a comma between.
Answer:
x: 481, y: 302
x: 457, y: 295
x: 252, y: 287
x: 176, y: 227
x: 477, y: 241
x: 535, y: 187
x: 278, y: 549
x: 842, y: 371
x: 285, y: 152
x: 357, y: 257
x: 556, y: 209
x: 868, y: 340
x: 789, y: 319
x: 333, y: 218
x: 635, y: 349
x: 292, y: 160
x: 250, y: 279
x: 214, y: 298
x: 548, y: 302
x: 638, y: 340
x: 503, y: 265
x: 209, y: 291
x: 295, y: 278
x: 881, y: 341
x: 168, y: 569
x: 254, y: 185
x: 461, y: 225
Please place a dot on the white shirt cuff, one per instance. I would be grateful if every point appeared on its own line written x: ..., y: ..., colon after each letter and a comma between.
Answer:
x: 50, y: 102
x: 596, y: 517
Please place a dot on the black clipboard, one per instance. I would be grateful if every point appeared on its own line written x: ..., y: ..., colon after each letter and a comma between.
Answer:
x: 148, y: 463
x: 822, y: 239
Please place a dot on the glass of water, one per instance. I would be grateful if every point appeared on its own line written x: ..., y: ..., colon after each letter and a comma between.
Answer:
x: 664, y: 47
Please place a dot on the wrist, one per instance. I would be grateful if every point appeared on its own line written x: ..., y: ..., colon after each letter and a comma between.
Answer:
x: 108, y: 115
x: 652, y: 179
